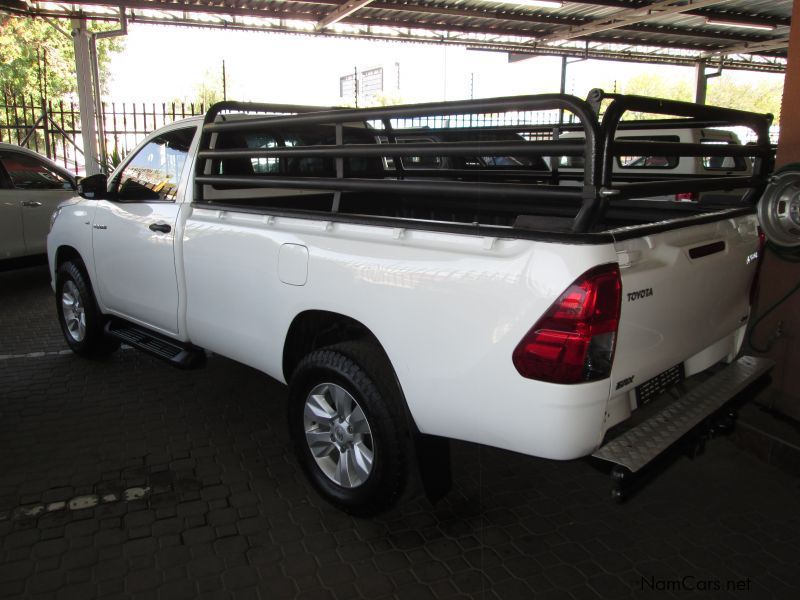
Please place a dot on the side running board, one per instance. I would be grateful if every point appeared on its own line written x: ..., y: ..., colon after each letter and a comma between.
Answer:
x: 183, y: 356
x: 637, y: 447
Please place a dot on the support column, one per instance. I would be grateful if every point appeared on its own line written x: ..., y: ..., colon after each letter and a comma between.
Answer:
x: 701, y: 82
x: 81, y: 39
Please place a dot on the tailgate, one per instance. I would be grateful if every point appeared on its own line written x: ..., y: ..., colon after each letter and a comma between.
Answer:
x: 685, y: 294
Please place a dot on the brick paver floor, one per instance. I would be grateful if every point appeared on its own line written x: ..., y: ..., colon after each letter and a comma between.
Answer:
x: 129, y: 479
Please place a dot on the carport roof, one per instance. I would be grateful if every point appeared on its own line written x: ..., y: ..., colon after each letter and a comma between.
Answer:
x: 739, y: 33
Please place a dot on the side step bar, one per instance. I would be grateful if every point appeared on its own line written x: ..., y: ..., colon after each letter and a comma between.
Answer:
x: 637, y: 447
x: 183, y: 356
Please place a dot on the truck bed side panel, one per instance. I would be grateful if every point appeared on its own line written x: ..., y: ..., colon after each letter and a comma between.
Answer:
x: 448, y: 309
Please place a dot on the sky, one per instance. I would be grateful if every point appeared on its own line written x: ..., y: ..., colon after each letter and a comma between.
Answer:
x: 160, y: 63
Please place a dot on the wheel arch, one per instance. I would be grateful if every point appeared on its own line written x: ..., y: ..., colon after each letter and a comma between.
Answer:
x: 65, y: 253
x: 313, y: 329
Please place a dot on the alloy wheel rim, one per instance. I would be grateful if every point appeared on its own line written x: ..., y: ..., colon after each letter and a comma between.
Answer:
x: 338, y: 435
x: 73, y: 311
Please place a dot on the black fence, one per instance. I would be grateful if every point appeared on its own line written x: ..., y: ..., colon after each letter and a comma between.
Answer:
x: 53, y: 128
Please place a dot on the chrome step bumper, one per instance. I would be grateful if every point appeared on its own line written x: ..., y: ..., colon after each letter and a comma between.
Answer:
x: 640, y: 445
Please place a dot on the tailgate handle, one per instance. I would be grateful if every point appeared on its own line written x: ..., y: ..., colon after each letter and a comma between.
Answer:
x: 706, y: 250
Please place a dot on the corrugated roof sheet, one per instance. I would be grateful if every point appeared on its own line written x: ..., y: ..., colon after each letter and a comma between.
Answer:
x: 677, y: 36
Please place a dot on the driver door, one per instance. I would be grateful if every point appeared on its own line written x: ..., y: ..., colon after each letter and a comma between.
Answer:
x: 133, y: 234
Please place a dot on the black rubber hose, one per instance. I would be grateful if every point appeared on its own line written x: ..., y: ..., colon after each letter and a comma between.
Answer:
x: 789, y: 256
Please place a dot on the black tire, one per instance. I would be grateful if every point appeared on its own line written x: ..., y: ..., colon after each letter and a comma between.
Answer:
x: 362, y: 370
x: 91, y: 341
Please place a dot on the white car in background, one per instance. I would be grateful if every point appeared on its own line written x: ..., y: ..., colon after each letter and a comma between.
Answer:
x: 31, y: 188
x: 653, y: 167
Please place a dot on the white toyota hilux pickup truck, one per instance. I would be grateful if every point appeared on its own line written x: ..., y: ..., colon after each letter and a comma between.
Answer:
x: 407, y: 300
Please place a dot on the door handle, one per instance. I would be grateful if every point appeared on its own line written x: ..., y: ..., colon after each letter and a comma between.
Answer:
x: 162, y: 227
x: 32, y: 203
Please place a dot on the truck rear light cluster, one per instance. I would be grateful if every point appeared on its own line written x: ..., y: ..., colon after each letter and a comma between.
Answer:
x: 686, y: 197
x: 575, y: 339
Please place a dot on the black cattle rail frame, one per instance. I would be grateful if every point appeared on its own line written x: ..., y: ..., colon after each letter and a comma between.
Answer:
x: 597, y: 146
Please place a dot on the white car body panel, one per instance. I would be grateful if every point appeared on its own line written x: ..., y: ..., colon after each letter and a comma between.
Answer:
x: 448, y: 309
x: 136, y: 266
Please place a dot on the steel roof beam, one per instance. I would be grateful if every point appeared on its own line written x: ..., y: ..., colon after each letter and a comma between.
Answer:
x: 737, y: 14
x: 478, y: 13
x: 345, y: 10
x: 630, y: 16
x: 753, y: 47
x: 521, y: 18
x: 528, y: 33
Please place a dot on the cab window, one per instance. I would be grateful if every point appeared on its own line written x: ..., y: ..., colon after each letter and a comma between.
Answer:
x: 722, y: 163
x: 153, y: 174
x: 419, y: 162
x: 649, y: 162
x: 28, y: 173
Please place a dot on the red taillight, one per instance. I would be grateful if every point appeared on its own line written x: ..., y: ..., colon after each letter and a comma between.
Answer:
x: 574, y: 341
x: 762, y: 244
x: 686, y: 197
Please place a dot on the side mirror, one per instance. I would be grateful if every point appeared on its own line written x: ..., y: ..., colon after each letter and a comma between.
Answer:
x: 94, y: 187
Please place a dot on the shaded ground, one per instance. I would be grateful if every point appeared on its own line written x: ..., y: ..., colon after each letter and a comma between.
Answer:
x: 129, y: 479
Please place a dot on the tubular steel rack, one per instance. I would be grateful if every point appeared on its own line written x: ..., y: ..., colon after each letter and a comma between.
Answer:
x: 598, y: 147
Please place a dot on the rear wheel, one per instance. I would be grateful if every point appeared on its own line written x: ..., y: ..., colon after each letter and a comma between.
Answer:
x: 349, y: 431
x: 80, y: 319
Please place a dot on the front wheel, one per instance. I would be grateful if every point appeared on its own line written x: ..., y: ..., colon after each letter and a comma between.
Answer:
x: 80, y: 319
x: 348, y: 428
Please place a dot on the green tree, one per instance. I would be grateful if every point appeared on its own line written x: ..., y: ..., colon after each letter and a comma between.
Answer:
x: 38, y: 59
x: 653, y: 84
x: 657, y: 86
x: 763, y: 96
x: 206, y: 92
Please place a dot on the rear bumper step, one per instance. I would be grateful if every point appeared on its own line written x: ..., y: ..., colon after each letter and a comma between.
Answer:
x: 178, y: 355
x: 637, y: 447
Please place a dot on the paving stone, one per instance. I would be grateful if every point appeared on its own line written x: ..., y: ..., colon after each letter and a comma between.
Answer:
x: 223, y: 516
x: 48, y: 581
x: 14, y: 571
x: 50, y: 548
x: 22, y: 538
x: 141, y: 580
x: 172, y: 556
x: 231, y: 545
x: 205, y: 565
x: 85, y: 557
x: 144, y: 546
x: 198, y: 535
x: 195, y: 508
x: 111, y: 588
x: 240, y: 577
x: 178, y: 590
x: 81, y: 591
x: 277, y: 587
x: 10, y: 589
